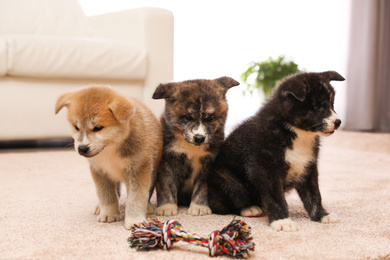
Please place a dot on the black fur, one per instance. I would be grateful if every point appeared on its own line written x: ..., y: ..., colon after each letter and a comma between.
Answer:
x: 251, y: 167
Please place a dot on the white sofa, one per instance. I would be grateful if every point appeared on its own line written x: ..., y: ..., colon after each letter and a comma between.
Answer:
x: 48, y: 47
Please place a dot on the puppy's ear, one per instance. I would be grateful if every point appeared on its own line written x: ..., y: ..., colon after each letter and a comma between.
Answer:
x: 63, y: 101
x: 226, y: 82
x: 332, y: 75
x: 298, y: 92
x: 122, y: 109
x: 165, y: 90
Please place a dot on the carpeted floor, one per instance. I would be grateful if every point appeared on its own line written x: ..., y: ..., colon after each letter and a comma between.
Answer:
x: 46, y: 199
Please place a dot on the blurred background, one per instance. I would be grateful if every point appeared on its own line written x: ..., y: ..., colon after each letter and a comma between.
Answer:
x: 220, y: 38
x: 49, y: 47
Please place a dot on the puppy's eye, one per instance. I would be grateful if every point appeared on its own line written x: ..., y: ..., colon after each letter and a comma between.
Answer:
x: 75, y: 127
x: 188, y: 118
x: 320, y: 106
x: 317, y: 106
x: 209, y: 118
x: 97, y: 128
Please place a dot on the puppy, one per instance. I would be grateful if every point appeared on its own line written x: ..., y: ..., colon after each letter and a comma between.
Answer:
x: 277, y: 150
x: 193, y: 129
x: 122, y: 141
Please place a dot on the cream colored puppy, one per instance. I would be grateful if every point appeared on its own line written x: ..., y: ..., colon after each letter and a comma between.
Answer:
x: 122, y: 141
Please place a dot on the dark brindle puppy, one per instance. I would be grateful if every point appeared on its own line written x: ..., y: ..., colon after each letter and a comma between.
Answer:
x: 276, y: 150
x: 193, y: 128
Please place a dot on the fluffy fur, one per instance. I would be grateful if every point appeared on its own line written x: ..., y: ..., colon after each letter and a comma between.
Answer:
x: 122, y: 141
x: 193, y: 129
x: 277, y: 150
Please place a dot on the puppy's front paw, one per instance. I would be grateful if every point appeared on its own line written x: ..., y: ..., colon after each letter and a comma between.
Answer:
x: 285, y: 224
x: 253, y: 211
x: 129, y: 222
x: 166, y: 210
x: 108, y: 218
x: 151, y: 208
x: 198, y: 210
x: 330, y: 218
x: 108, y: 213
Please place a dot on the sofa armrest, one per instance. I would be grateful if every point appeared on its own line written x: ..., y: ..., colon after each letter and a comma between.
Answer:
x: 151, y: 28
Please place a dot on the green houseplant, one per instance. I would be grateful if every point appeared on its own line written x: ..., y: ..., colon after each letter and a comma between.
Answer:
x: 264, y: 75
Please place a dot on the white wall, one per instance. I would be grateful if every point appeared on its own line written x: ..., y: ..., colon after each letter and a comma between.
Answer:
x: 215, y: 38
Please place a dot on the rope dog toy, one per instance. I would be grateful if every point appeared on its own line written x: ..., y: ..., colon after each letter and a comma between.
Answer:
x: 233, y: 240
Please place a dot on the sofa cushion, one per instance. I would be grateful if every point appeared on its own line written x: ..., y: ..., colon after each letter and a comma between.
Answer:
x: 72, y: 57
x: 49, y: 17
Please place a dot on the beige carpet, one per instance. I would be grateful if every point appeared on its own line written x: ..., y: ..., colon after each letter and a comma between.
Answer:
x: 46, y: 198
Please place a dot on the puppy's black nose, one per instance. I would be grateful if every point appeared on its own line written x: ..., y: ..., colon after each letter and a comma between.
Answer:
x: 337, y: 123
x: 199, y: 139
x: 83, y: 149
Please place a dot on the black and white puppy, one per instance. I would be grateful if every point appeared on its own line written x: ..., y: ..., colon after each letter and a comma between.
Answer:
x: 193, y: 129
x: 276, y: 150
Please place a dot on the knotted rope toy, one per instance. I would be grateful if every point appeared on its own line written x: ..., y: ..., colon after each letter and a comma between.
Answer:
x: 233, y: 240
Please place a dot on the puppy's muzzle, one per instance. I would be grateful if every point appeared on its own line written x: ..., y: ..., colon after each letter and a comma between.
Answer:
x: 337, y: 123
x: 331, y: 124
x: 83, y: 150
x: 199, y: 139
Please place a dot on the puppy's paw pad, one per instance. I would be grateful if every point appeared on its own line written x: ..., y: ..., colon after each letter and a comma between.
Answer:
x: 198, y: 210
x: 253, y: 211
x: 331, y: 218
x: 129, y: 222
x: 166, y: 210
x: 284, y: 225
x: 151, y: 209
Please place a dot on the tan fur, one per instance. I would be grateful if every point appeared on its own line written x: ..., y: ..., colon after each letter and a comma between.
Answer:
x: 127, y: 149
x: 194, y: 154
x: 182, y: 146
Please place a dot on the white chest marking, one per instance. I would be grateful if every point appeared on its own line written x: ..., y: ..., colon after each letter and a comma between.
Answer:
x: 300, y: 155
